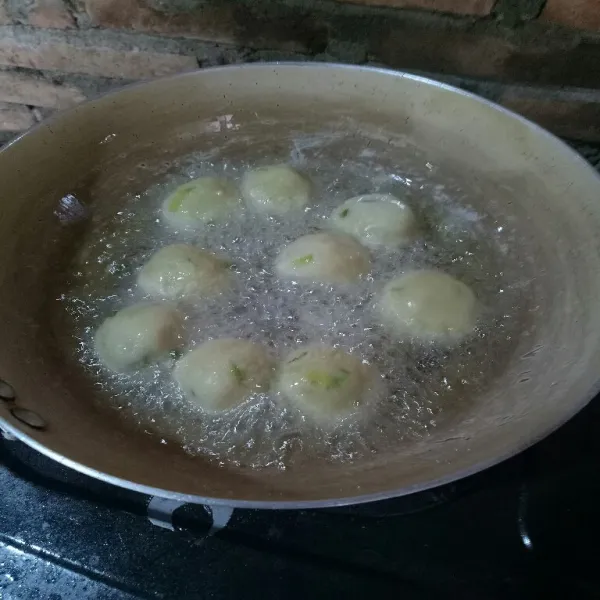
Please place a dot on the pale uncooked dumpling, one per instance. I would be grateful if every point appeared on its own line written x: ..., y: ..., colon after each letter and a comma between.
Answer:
x: 139, y: 335
x: 430, y: 306
x: 276, y: 190
x: 220, y: 374
x: 325, y: 383
x: 201, y: 201
x: 377, y: 220
x: 323, y: 258
x: 181, y: 270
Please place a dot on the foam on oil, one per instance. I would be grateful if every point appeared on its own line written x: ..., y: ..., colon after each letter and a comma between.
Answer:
x: 423, y: 386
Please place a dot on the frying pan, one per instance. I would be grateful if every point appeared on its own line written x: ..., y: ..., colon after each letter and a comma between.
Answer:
x: 549, y: 371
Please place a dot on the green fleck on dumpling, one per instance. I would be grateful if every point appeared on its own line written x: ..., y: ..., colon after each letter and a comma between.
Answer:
x: 307, y: 259
x: 177, y: 199
x: 327, y: 380
x: 238, y: 374
x: 344, y: 213
x: 338, y: 379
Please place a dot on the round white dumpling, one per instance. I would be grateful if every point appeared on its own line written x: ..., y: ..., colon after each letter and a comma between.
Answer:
x: 326, y: 383
x: 323, y: 258
x: 376, y: 220
x: 220, y: 374
x: 276, y: 190
x: 139, y: 335
x: 183, y: 270
x: 430, y: 306
x: 201, y: 201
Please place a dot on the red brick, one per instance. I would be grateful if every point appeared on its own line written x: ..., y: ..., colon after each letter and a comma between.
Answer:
x: 519, y: 59
x: 27, y: 89
x: 446, y: 52
x: 223, y: 22
x: 210, y: 23
x: 15, y: 117
x: 461, y: 7
x: 104, y: 62
x: 51, y: 14
x: 580, y: 14
x: 574, y: 119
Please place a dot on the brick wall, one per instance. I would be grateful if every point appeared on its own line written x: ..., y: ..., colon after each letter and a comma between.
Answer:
x: 540, y: 57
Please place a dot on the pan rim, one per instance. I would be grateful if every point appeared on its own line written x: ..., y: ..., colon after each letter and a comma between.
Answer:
x: 6, y: 427
x: 558, y: 143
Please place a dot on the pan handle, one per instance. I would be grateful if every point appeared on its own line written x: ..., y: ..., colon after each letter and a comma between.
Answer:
x: 165, y: 513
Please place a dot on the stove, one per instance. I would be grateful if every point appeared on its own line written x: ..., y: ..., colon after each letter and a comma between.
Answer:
x: 527, y: 528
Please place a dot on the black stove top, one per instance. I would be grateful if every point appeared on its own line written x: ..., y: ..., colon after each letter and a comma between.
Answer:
x: 528, y: 528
